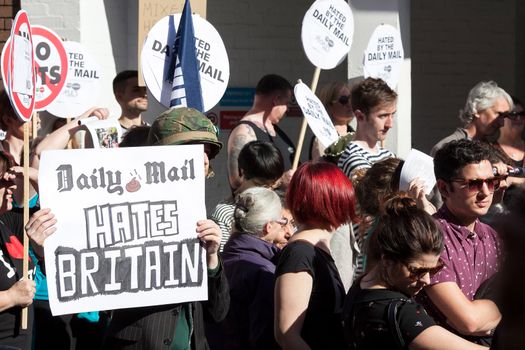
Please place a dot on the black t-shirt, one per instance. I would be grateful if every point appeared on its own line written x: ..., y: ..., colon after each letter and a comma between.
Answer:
x: 11, y: 259
x: 322, y: 328
x: 370, y: 329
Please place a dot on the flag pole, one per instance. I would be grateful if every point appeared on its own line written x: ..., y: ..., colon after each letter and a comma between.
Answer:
x: 302, y: 133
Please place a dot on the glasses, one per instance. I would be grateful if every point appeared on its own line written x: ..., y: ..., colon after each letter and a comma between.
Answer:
x: 343, y: 99
x: 514, y: 115
x: 282, y: 221
x: 285, y: 222
x: 420, y: 272
x: 476, y: 185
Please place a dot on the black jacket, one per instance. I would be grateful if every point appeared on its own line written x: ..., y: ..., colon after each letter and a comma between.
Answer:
x: 154, y: 327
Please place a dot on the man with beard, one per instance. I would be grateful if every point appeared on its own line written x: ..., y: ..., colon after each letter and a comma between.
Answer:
x: 131, y: 97
x: 486, y: 107
x: 374, y: 104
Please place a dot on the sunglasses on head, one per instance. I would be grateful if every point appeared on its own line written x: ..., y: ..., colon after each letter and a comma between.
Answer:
x: 420, y: 272
x: 476, y: 185
x: 343, y: 99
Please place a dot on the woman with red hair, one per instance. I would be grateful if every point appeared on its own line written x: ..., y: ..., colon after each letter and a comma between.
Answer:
x: 309, y: 294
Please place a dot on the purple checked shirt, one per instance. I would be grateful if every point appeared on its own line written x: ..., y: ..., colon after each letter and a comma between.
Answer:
x: 469, y: 257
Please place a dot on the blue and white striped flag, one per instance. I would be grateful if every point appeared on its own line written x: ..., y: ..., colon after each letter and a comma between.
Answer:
x: 183, y: 70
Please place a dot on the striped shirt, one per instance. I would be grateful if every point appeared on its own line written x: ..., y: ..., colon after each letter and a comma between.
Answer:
x: 223, y: 216
x: 356, y: 157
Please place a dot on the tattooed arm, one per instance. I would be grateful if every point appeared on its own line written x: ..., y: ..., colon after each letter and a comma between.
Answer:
x: 240, y: 136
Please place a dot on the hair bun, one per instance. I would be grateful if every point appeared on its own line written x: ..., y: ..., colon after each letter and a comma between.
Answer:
x: 398, y: 204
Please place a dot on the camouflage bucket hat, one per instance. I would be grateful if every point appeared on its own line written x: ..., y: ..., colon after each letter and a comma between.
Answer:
x: 178, y: 126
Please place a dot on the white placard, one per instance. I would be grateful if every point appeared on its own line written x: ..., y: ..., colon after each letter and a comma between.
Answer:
x: 214, y: 67
x: 316, y: 115
x: 106, y: 133
x: 418, y: 165
x: 22, y: 80
x: 82, y: 88
x: 384, y: 55
x: 327, y: 32
x: 126, y: 220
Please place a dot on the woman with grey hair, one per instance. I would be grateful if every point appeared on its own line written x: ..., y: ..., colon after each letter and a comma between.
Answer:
x: 249, y: 259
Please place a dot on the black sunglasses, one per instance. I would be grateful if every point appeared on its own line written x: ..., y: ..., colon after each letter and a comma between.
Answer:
x: 514, y: 115
x: 343, y: 99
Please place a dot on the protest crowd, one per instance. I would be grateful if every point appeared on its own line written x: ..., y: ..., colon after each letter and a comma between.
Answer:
x: 355, y: 248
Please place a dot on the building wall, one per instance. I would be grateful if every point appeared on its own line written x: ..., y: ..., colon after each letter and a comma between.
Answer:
x: 456, y: 44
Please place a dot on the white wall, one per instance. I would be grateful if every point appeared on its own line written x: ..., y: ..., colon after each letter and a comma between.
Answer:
x: 368, y: 14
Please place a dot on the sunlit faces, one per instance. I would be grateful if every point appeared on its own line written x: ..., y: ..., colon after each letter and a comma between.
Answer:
x: 462, y: 200
x: 340, y: 112
x: 409, y: 278
x: 133, y: 97
x: 489, y: 120
x: 378, y: 121
x: 7, y: 187
x: 281, y: 101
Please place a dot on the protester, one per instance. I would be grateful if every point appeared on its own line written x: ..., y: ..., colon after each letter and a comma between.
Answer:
x: 374, y: 104
x: 309, y: 293
x: 335, y: 97
x: 379, y: 312
x: 16, y: 290
x: 486, y: 107
x: 260, y: 164
x: 466, y: 182
x: 179, y: 326
x: 249, y: 262
x: 509, y: 334
x: 132, y: 99
x: 135, y: 137
x: 273, y: 93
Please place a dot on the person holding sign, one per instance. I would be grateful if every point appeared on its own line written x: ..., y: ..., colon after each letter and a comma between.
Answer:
x: 132, y: 98
x: 336, y: 100
x: 178, y: 326
x: 272, y: 96
x: 309, y: 293
x: 17, y: 291
x: 374, y: 104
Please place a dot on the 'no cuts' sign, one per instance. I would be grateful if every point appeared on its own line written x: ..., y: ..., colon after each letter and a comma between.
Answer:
x: 214, y: 67
x: 316, y: 115
x: 18, y: 67
x: 126, y: 222
x: 50, y: 65
x: 327, y: 32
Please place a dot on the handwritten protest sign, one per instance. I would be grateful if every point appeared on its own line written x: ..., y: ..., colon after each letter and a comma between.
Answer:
x: 82, y: 83
x: 214, y: 67
x: 316, y: 115
x: 327, y: 32
x: 384, y: 55
x: 126, y: 222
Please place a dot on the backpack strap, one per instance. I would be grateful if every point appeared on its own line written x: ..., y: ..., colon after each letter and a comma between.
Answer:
x: 393, y: 324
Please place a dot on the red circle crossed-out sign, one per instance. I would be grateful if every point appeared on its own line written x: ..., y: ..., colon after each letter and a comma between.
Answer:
x: 22, y: 99
x: 51, y: 65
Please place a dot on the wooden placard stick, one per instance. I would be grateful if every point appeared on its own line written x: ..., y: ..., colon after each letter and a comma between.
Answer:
x: 300, y: 141
x: 25, y: 263
x: 70, y: 142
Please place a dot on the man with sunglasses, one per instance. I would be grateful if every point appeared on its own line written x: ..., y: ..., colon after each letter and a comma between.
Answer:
x: 374, y: 104
x: 466, y: 182
x: 486, y: 107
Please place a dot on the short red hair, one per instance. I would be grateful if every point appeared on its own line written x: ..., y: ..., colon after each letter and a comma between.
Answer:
x: 321, y: 195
